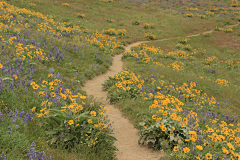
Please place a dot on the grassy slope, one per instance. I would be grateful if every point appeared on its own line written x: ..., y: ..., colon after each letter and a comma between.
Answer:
x: 167, y: 23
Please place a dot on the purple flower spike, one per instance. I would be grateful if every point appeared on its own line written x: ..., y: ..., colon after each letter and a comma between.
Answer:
x: 62, y: 135
x: 3, y: 156
x: 10, y: 132
x: 21, y: 113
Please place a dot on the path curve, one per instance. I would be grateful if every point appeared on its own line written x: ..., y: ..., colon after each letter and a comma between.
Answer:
x: 125, y: 133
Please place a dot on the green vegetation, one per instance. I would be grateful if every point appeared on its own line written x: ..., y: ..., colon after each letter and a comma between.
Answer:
x: 181, y: 93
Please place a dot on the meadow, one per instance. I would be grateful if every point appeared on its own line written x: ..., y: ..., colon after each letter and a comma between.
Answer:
x: 180, y: 87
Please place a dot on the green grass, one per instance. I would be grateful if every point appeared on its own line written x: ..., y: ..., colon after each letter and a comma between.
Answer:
x: 167, y: 23
x: 93, y: 59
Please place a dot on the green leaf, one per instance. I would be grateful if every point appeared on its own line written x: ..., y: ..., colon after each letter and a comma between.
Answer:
x: 50, y: 115
x: 68, y: 137
x: 54, y: 139
x: 33, y: 63
x: 51, y: 132
x: 112, y: 138
x: 7, y: 78
x: 61, y: 114
x: 171, y: 137
x: 58, y: 121
x: 206, y: 151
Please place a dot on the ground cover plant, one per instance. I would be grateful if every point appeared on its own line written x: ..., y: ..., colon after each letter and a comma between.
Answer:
x: 55, y: 105
x: 181, y: 93
x: 173, y: 100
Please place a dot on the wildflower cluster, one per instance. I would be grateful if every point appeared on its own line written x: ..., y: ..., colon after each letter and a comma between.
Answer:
x: 107, y: 1
x: 188, y: 15
x: 135, y: 22
x: 211, y: 60
x: 177, y: 65
x: 202, y: 16
x: 65, y: 112
x: 188, y: 122
x: 183, y: 40
x: 111, y: 31
x: 230, y: 64
x: 28, y: 3
x: 81, y: 15
x: 228, y: 29
x: 193, y: 9
x: 109, y: 20
x: 213, y: 8
x: 148, y: 25
x: 222, y: 82
x: 234, y: 3
x: 178, y: 54
x: 11, y: 124
x: 126, y: 85
x: 65, y: 4
x: 45, y: 24
x: 34, y: 154
x: 150, y: 36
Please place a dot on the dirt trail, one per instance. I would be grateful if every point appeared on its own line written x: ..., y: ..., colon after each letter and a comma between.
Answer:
x: 126, y: 134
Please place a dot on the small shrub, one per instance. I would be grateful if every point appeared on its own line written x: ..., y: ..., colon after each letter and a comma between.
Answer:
x: 183, y: 40
x: 81, y: 15
x: 189, y: 15
x: 150, y: 36
x: 228, y: 29
x: 110, y: 31
x: 65, y: 4
x: 135, y: 22
x: 216, y: 29
x: 148, y: 25
x: 109, y: 20
x: 207, y: 35
x: 234, y: 3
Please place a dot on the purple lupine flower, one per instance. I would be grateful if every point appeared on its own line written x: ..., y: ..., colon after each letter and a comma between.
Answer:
x: 35, y: 70
x: 215, y: 157
x: 11, y: 86
x: 181, y: 96
x: 227, y: 117
x: 3, y: 156
x: 215, y: 115
x: 10, y: 114
x: 204, y: 119
x: 26, y: 90
x: 204, y: 135
x: 51, y: 70
x: 32, y: 41
x: 29, y: 84
x: 46, y: 96
x: 66, y: 129
x: 16, y: 61
x: 21, y: 113
x: 193, y: 150
x: 62, y: 135
x: 15, y: 116
x: 1, y: 118
x: 10, y: 132
x: 28, y: 116
x: 224, y: 157
x: 153, y: 90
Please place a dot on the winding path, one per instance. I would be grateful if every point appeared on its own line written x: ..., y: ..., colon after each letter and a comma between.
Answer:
x: 126, y: 134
